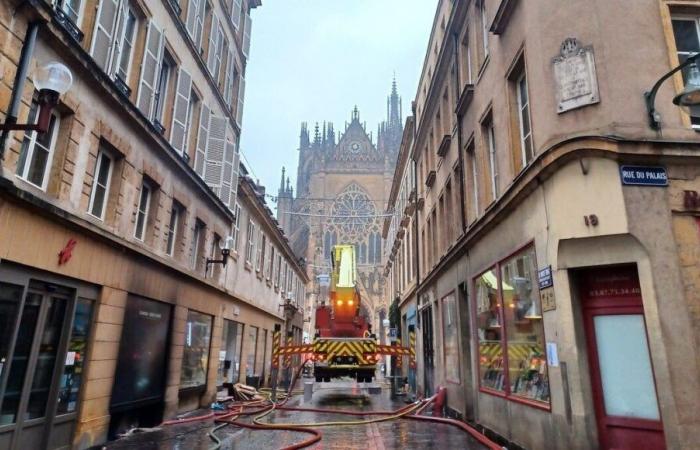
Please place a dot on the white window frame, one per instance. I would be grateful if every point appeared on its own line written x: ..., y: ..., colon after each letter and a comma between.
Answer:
x: 143, y: 210
x: 484, y: 28
x: 161, y: 88
x: 471, y: 151
x: 518, y: 92
x: 250, y: 242
x: 493, y: 160
x: 81, y: 9
x: 696, y: 21
x: 172, y: 230
x: 236, y: 226
x: 122, y: 39
x: 31, y: 147
x: 260, y: 250
x: 100, y: 156
x: 188, y: 124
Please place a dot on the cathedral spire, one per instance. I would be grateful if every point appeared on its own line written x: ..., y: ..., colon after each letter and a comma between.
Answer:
x: 317, y: 136
x: 355, y: 114
x: 282, y: 182
x: 304, y: 136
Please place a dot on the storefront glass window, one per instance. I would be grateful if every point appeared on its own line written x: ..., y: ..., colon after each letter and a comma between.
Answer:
x: 10, y: 298
x: 195, y: 358
x: 75, y: 358
x: 489, y: 331
x: 252, y: 348
x: 230, y: 353
x: 449, y: 329
x: 527, y: 363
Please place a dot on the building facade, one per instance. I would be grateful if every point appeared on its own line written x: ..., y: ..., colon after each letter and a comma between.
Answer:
x: 343, y: 180
x: 556, y: 232
x: 111, y: 312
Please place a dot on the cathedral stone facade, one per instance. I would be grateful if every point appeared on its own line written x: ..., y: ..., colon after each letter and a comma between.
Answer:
x: 343, y: 181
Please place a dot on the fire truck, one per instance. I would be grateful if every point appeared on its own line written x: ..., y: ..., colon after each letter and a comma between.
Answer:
x: 343, y: 344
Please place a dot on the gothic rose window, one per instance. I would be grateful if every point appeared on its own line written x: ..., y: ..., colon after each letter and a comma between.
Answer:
x: 354, y: 221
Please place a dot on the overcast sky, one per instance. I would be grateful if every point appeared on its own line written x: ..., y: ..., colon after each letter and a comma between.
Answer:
x: 313, y: 60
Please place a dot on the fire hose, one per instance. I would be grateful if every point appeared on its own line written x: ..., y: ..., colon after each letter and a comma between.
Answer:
x: 264, y: 407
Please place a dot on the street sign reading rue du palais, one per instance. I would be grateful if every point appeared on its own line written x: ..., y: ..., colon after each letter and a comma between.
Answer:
x: 643, y: 175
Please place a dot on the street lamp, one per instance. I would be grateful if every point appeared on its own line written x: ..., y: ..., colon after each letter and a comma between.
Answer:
x: 688, y: 99
x: 52, y: 80
x: 225, y: 253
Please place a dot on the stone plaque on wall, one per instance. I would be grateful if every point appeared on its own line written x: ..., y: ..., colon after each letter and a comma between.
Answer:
x: 575, y: 76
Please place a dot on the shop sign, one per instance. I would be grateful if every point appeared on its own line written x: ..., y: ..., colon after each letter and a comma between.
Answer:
x: 544, y: 277
x: 547, y: 299
x: 393, y: 335
x: 643, y: 176
x: 67, y: 253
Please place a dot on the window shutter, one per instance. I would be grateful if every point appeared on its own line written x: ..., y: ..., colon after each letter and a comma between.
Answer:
x: 202, y: 138
x: 150, y: 68
x: 228, y: 161
x: 246, y: 35
x: 236, y: 14
x: 104, y: 32
x: 199, y: 23
x: 234, y: 175
x: 182, y: 103
x: 118, y: 37
x: 191, y: 20
x: 215, y: 153
x: 239, y: 109
x: 213, y: 42
x: 228, y: 82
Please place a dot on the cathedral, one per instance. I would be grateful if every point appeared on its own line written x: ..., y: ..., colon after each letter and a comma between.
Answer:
x: 342, y: 185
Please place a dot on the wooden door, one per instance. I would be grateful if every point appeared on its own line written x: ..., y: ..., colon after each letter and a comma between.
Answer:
x: 622, y: 376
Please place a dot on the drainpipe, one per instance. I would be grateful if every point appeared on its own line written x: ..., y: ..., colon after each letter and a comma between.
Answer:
x: 462, y: 194
x: 25, y: 58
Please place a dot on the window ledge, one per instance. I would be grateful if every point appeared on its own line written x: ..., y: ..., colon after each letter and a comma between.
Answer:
x: 465, y: 99
x: 503, y: 14
x: 444, y: 145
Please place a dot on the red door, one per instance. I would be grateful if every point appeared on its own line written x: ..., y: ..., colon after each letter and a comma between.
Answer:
x: 622, y: 376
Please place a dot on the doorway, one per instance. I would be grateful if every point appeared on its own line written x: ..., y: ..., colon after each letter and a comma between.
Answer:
x: 42, y: 353
x: 622, y: 375
x: 428, y: 349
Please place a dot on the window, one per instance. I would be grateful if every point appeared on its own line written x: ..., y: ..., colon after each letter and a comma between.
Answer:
x: 194, y: 21
x: 490, y: 143
x: 270, y: 263
x: 511, y: 287
x: 173, y: 228
x: 260, y: 254
x: 100, y: 184
x: 231, y: 344
x: 686, y: 31
x: 142, y: 211
x: 283, y: 281
x: 195, y: 357
x: 197, y: 237
x: 450, y: 338
x: 484, y: 29
x: 252, y: 351
x: 125, y: 45
x: 248, y: 23
x: 37, y: 150
x: 466, y: 56
x: 250, y: 246
x: 278, y: 268
x: 524, y: 119
x: 235, y: 6
x: 73, y: 9
x: 236, y: 226
x: 194, y: 102
x: 161, y: 92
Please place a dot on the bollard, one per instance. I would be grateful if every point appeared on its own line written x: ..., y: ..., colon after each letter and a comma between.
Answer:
x: 308, y: 390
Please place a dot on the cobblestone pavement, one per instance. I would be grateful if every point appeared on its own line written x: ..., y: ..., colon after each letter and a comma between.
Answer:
x: 396, y: 434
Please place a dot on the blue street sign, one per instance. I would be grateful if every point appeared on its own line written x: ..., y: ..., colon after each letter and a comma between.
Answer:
x: 544, y: 277
x: 643, y: 175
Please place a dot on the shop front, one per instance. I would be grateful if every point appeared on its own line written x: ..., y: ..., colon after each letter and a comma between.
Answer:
x: 45, y: 324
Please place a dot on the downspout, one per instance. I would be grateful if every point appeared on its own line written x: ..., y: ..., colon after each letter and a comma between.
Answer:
x: 462, y: 194
x: 20, y: 78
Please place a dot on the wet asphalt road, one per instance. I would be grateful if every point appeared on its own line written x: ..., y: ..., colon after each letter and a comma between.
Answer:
x: 396, y: 434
